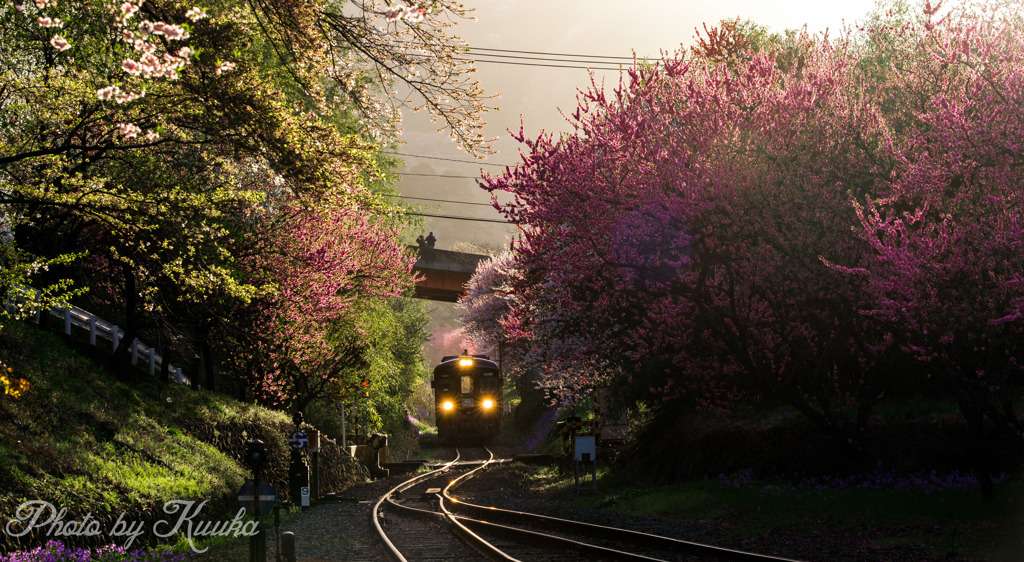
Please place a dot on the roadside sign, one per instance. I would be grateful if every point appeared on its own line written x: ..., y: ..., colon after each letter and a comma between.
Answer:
x: 257, y: 500
x: 304, y: 496
x: 297, y: 440
x: 586, y: 448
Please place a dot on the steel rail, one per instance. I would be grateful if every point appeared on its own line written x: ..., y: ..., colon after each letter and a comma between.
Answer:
x: 537, y: 538
x: 615, y: 533
x: 389, y: 547
x: 476, y: 541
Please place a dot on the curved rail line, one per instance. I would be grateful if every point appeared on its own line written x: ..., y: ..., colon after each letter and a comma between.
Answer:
x: 487, y: 549
x: 390, y: 549
x: 467, y: 528
x: 617, y: 534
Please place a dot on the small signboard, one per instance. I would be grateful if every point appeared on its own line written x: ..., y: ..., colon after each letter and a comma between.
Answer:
x: 586, y: 448
x: 586, y: 454
x: 297, y: 440
x: 304, y: 495
x: 257, y: 500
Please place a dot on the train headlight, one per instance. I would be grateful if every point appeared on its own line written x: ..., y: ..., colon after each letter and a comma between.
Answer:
x: 466, y: 362
x: 447, y: 405
x: 488, y: 403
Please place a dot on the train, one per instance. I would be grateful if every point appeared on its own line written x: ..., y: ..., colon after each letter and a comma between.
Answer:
x: 467, y: 398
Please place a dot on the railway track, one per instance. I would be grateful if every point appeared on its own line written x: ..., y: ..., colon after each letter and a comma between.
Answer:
x: 422, y: 519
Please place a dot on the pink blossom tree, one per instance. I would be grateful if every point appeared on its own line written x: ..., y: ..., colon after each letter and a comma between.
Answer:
x: 793, y: 224
x: 300, y: 340
x: 947, y: 227
x: 677, y: 235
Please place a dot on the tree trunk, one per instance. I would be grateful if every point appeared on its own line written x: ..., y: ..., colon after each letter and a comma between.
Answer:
x: 121, y: 358
x: 165, y: 366
x: 205, y: 354
x: 975, y: 418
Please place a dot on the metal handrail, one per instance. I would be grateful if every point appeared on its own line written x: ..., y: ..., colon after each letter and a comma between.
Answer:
x: 98, y: 329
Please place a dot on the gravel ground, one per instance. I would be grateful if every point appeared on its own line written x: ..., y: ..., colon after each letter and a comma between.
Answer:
x: 342, y: 530
x: 339, y: 530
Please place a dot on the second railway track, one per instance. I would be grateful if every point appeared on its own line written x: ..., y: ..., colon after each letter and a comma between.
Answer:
x: 423, y: 519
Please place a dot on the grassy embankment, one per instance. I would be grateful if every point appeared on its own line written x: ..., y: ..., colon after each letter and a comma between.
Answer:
x: 940, y: 523
x: 80, y: 439
x: 933, y: 514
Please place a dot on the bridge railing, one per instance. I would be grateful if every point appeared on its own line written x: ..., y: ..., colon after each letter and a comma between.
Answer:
x: 98, y: 328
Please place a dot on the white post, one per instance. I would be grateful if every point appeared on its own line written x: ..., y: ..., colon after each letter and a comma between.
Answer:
x: 67, y: 319
x: 92, y: 330
x: 135, y: 351
x: 152, y: 361
x: 116, y: 334
x: 179, y: 375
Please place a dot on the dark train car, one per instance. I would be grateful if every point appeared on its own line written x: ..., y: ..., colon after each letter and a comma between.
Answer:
x: 467, y: 398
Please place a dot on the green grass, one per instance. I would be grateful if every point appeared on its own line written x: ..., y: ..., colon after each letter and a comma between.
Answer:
x: 939, y: 523
x: 425, y: 428
x: 82, y: 439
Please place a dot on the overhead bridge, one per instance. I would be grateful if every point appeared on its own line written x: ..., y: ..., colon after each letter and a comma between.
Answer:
x: 445, y: 273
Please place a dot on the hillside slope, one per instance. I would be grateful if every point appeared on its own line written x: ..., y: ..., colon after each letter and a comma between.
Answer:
x: 84, y: 441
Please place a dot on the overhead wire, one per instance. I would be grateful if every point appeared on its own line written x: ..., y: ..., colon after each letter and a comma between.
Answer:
x: 457, y: 218
x: 548, y: 59
x: 445, y: 201
x: 438, y: 175
x: 444, y: 158
x: 552, y: 54
x: 583, y: 62
x: 581, y: 59
x: 524, y: 52
x: 620, y: 69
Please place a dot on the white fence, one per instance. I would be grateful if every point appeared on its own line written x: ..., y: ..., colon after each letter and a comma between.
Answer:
x: 99, y: 329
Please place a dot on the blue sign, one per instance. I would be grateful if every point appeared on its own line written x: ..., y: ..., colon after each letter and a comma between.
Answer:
x: 297, y: 440
x: 256, y: 504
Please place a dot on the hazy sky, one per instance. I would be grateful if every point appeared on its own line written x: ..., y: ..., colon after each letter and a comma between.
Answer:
x: 537, y: 94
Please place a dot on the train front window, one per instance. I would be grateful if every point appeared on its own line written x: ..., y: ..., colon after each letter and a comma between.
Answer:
x: 467, y: 384
x: 488, y: 384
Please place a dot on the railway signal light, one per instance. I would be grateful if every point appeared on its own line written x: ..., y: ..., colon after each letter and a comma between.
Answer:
x: 366, y: 388
x: 256, y: 455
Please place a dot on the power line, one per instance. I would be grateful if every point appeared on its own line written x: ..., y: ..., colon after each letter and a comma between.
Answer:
x: 583, y: 64
x: 443, y: 158
x: 438, y: 176
x: 552, y: 54
x: 445, y: 201
x: 522, y: 52
x: 457, y: 218
x: 543, y: 65
x: 547, y: 59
